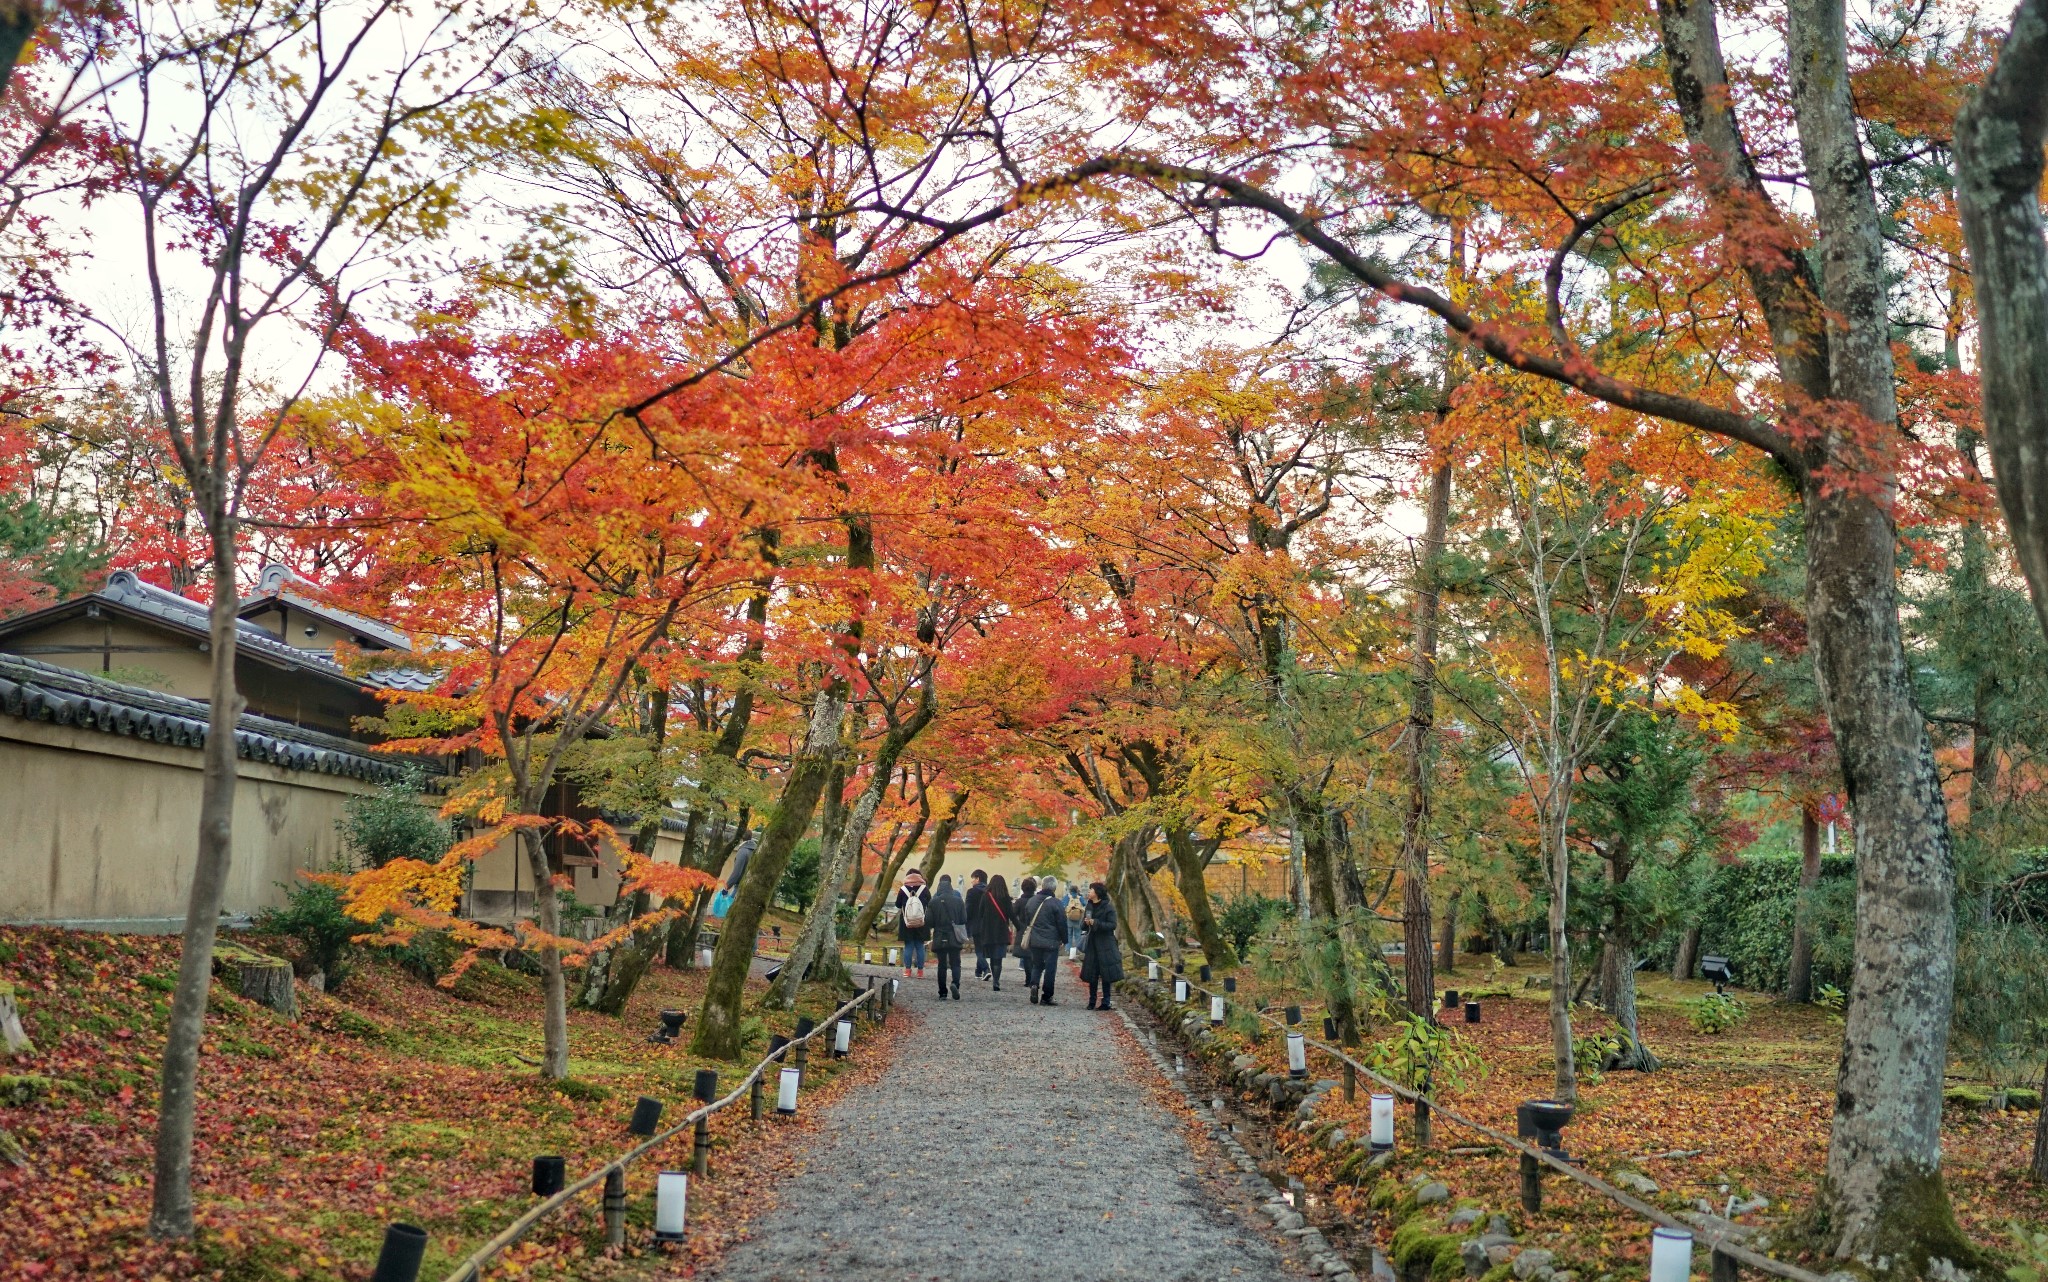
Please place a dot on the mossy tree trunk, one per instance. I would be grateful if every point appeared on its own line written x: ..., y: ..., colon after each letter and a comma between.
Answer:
x: 718, y: 1017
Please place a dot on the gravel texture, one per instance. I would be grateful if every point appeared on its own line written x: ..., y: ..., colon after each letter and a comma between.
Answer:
x: 1006, y: 1141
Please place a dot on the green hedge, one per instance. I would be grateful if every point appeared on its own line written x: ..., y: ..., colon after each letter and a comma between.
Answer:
x: 1747, y: 911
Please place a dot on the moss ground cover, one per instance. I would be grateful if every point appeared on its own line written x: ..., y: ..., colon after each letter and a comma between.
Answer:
x: 394, y: 1100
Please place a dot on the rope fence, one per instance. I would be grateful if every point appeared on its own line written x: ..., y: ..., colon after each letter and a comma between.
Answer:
x: 1727, y: 1255
x: 405, y: 1245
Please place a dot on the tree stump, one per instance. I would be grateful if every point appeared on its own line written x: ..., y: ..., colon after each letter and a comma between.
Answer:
x: 268, y: 982
x: 13, y: 1037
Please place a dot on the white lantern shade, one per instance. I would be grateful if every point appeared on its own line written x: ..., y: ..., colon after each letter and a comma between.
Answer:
x: 1152, y: 970
x: 704, y: 959
x: 1297, y: 1055
x: 893, y: 954
x: 867, y: 954
x: 671, y: 1200
x: 1670, y: 1255
x: 1215, y: 1009
x: 1382, y: 1123
x: 785, y: 1093
x: 842, y: 1038
x: 1180, y: 989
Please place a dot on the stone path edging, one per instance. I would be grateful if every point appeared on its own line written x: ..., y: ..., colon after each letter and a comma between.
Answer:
x: 1307, y: 1241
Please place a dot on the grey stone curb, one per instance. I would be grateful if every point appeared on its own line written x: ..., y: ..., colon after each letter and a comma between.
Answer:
x: 1304, y: 1242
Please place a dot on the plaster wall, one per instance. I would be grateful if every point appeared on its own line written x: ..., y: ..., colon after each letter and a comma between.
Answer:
x: 101, y: 831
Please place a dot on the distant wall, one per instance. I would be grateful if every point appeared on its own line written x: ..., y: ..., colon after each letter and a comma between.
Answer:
x: 101, y: 831
x: 501, y: 886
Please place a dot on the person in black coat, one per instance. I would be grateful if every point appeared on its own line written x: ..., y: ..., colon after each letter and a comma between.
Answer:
x: 1102, y: 962
x: 1047, y: 923
x: 947, y: 911
x: 991, y: 926
x: 1027, y: 904
x: 976, y: 892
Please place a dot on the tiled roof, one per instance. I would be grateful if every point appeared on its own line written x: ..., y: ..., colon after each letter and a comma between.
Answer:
x: 276, y: 583
x: 44, y: 692
x: 124, y: 590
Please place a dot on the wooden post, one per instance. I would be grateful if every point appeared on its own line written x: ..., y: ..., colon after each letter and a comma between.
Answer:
x: 1350, y: 1083
x: 700, y: 1149
x: 1724, y: 1266
x: 1421, y: 1124
x: 615, y: 1206
x: 803, y: 1055
x: 754, y: 1097
x: 1532, y: 1185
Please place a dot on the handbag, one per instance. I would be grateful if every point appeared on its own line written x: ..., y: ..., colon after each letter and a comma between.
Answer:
x: 959, y: 934
x: 1022, y: 948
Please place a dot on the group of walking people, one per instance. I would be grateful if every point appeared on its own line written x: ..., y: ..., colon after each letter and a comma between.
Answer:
x: 1033, y: 926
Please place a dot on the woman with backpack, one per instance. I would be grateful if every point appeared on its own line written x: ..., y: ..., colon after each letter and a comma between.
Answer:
x: 913, y: 913
x: 1102, y: 962
x: 990, y: 925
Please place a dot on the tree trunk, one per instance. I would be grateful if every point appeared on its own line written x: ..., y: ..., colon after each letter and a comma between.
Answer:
x: 942, y: 836
x: 1565, y: 1089
x: 1312, y: 820
x: 547, y: 901
x: 268, y: 983
x: 19, y: 22
x: 2038, y: 1168
x: 1297, y: 875
x: 819, y: 923
x: 1415, y: 932
x: 1884, y: 1195
x: 1447, y: 947
x: 820, y: 935
x: 1618, y: 969
x: 1194, y: 890
x: 1799, y: 983
x: 683, y: 931
x: 1688, y: 954
x: 170, y: 1213
x: 718, y: 1018
x: 1998, y: 139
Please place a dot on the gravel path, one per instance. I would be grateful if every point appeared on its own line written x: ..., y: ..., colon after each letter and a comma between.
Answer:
x: 914, y: 1177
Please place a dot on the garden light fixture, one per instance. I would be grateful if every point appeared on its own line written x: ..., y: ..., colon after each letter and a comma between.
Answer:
x: 671, y: 1203
x: 842, y: 1039
x: 1382, y: 1123
x: 1297, y: 1055
x: 646, y: 1116
x: 785, y: 1093
x: 405, y: 1245
x: 547, y: 1175
x: 1670, y: 1255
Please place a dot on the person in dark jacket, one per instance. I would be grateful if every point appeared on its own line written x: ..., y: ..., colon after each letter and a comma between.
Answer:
x: 1048, y: 927
x: 992, y: 927
x: 1102, y: 962
x: 976, y: 892
x: 1027, y: 903
x: 914, y: 937
x: 948, y: 910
